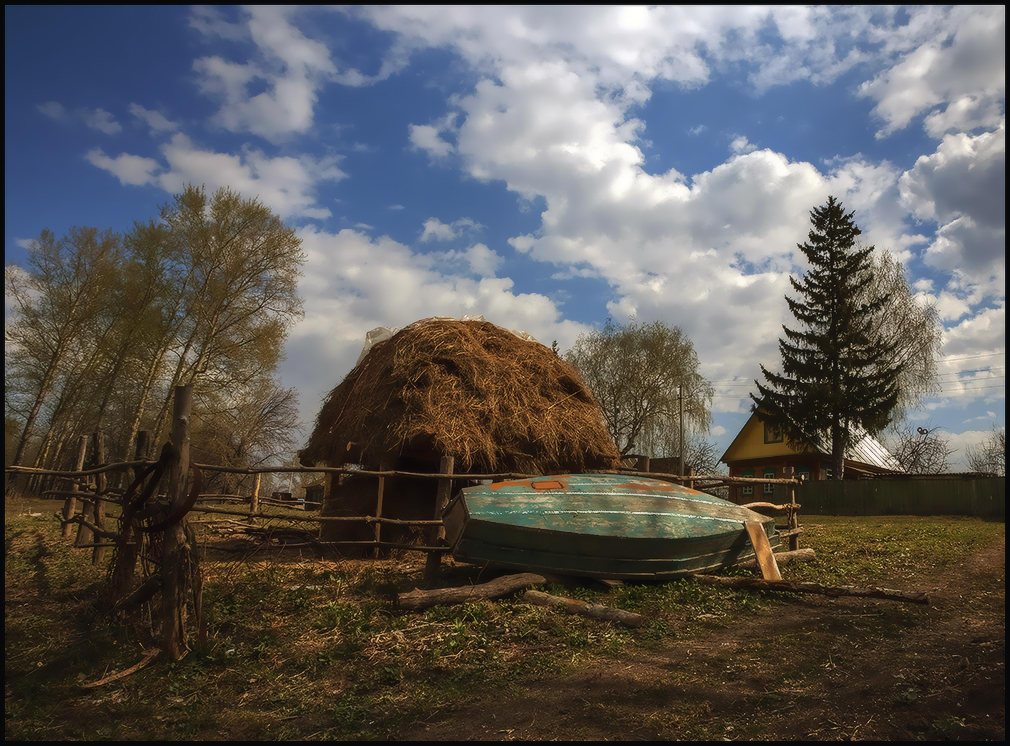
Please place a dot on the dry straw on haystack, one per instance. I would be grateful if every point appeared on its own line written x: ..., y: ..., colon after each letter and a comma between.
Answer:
x: 467, y: 389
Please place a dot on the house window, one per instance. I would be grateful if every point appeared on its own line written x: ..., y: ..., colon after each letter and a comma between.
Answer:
x: 829, y: 473
x: 773, y: 433
x: 748, y: 489
x: 803, y: 473
x: 769, y: 489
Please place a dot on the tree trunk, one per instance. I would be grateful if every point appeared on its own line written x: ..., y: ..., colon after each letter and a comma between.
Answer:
x: 145, y: 392
x: 837, y: 452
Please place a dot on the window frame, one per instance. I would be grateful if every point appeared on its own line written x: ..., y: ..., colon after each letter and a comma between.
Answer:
x: 747, y: 490
x: 769, y: 473
x: 767, y: 427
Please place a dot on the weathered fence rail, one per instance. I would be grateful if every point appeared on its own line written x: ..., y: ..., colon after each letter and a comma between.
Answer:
x: 435, y: 545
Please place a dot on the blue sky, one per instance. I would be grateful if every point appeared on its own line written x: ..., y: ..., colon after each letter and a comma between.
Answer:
x: 544, y: 167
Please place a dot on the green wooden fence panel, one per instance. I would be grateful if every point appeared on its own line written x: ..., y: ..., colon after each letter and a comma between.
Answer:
x: 981, y: 497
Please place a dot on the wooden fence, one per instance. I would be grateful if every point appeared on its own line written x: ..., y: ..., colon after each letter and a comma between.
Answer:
x: 153, y: 526
x: 972, y: 496
x: 95, y: 496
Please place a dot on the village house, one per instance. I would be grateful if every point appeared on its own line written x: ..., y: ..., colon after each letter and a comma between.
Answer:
x: 761, y: 451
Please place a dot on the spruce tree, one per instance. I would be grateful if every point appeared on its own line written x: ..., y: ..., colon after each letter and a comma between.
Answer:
x: 836, y: 374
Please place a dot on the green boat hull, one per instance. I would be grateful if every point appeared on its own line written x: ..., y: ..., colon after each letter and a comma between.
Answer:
x: 599, y: 525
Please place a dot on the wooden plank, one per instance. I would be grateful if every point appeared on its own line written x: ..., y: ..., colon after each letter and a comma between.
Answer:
x: 763, y: 550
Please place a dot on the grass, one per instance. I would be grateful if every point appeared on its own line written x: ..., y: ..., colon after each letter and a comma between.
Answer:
x: 314, y: 650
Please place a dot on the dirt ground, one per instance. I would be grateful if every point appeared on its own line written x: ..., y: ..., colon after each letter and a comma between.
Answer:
x: 866, y: 670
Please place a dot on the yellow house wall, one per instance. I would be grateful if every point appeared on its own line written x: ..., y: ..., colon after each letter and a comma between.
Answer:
x: 750, y: 444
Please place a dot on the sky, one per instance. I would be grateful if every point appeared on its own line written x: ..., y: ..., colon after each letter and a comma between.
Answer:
x: 546, y: 167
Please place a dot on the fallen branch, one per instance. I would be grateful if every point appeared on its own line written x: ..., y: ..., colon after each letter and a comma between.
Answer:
x: 583, y: 608
x: 789, y: 586
x: 149, y: 656
x: 503, y: 586
x: 784, y: 558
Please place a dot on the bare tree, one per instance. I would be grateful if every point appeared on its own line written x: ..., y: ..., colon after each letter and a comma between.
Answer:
x: 989, y: 456
x: 243, y: 266
x: 921, y: 450
x: 909, y: 327
x: 62, y: 292
x: 100, y: 326
x: 637, y: 372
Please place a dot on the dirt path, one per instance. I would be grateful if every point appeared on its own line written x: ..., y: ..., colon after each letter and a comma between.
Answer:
x: 814, y: 668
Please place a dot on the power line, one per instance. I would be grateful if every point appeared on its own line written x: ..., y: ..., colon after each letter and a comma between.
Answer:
x: 962, y: 390
x: 729, y: 383
x: 970, y: 357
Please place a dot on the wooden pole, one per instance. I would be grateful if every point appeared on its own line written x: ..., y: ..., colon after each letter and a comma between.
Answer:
x: 643, y: 463
x: 142, y: 447
x: 254, y: 501
x: 129, y: 550
x: 84, y: 535
x: 174, y: 544
x: 70, y: 506
x: 787, y: 586
x: 584, y: 608
x: 386, y: 462
x: 442, y: 496
x: 683, y: 435
x: 794, y: 519
x: 378, y: 514
x: 782, y: 558
x: 101, y: 483
x: 503, y: 586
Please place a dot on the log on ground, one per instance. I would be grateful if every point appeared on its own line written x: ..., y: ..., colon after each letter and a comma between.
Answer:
x: 583, y: 608
x: 784, y: 558
x: 503, y: 586
x: 789, y: 586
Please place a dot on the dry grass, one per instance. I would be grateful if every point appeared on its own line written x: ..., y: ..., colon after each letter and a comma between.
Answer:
x: 468, y: 389
x: 312, y: 649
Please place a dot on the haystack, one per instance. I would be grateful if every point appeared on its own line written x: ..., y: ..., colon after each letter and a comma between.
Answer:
x: 467, y: 389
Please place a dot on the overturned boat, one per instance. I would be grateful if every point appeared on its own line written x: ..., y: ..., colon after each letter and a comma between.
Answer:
x: 600, y: 525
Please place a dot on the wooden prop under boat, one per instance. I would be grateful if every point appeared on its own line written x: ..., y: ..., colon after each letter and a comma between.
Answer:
x: 600, y: 525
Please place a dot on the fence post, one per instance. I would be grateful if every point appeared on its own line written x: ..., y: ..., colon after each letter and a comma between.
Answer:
x: 383, y: 466
x: 174, y: 561
x: 254, y: 499
x: 434, y: 561
x: 140, y: 450
x: 643, y: 463
x: 793, y: 523
x: 101, y: 483
x: 129, y: 550
x: 84, y: 534
x: 70, y: 506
